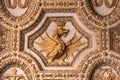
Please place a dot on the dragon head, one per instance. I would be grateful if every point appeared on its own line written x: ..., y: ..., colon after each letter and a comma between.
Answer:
x: 60, y: 29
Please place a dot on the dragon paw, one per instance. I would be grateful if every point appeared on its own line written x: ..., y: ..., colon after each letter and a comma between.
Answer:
x: 51, y: 62
x: 64, y: 63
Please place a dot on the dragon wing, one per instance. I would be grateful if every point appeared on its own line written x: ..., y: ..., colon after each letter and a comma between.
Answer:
x: 73, y: 45
x: 47, y: 44
x: 74, y: 38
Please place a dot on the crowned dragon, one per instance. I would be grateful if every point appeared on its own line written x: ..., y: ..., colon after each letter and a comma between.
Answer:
x: 55, y: 47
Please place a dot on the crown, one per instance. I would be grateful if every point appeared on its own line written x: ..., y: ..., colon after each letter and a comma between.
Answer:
x: 60, y: 23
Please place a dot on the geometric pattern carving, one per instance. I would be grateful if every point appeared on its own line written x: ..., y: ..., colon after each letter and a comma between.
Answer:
x: 59, y: 39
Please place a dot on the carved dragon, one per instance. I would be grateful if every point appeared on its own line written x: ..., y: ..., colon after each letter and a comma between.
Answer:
x: 56, y: 48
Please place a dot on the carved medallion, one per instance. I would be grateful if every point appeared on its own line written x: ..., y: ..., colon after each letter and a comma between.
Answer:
x: 19, y: 12
x: 18, y: 67
x: 105, y: 73
x: 14, y: 6
x: 92, y: 12
x: 14, y: 74
x: 108, y: 5
x: 101, y: 67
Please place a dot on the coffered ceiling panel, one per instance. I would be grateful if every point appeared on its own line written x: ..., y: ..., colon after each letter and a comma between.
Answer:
x: 60, y: 40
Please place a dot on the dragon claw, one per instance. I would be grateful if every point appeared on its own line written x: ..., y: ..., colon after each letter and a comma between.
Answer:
x: 64, y: 63
x: 51, y: 63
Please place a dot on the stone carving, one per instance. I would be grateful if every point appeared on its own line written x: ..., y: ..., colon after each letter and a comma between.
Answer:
x: 92, y: 14
x: 56, y: 48
x: 107, y: 3
x: 4, y: 39
x: 98, y: 68
x: 52, y: 42
x: 14, y: 5
x: 12, y: 15
x: 115, y: 39
x: 14, y: 66
x: 59, y: 3
x: 105, y: 74
x: 13, y: 76
x: 59, y: 39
